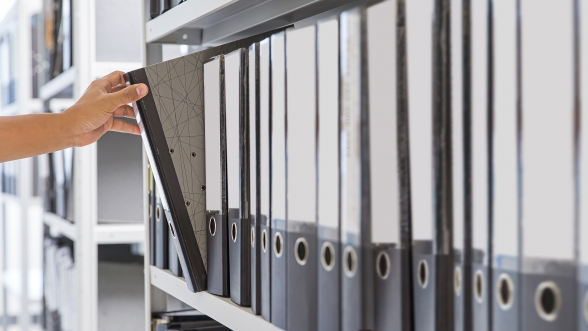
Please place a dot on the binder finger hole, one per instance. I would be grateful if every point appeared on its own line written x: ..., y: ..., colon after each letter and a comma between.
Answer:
x: 171, y: 229
x: 252, y: 236
x: 158, y: 213
x: 383, y: 265
x: 423, y: 272
x: 457, y: 280
x: 548, y: 300
x: 327, y: 256
x: 301, y: 250
x: 264, y: 241
x: 278, y: 243
x: 212, y: 226
x: 350, y: 261
x: 505, y: 292
x: 479, y: 286
x: 234, y: 232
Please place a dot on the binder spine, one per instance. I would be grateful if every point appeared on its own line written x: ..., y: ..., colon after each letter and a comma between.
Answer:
x: 329, y: 279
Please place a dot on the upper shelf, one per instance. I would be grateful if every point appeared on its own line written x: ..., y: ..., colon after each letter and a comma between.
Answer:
x: 223, y: 310
x: 211, y: 23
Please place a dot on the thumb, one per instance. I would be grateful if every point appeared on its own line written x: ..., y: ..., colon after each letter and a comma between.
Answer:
x: 129, y: 94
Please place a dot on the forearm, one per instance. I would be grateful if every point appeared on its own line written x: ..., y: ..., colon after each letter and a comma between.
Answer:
x: 29, y: 135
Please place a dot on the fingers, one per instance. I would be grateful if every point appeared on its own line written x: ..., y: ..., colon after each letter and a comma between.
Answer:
x: 127, y: 95
x: 124, y: 111
x: 112, y: 80
x: 124, y: 127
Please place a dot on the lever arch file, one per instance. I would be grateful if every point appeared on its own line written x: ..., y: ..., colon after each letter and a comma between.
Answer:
x: 278, y: 180
x: 391, y: 273
x: 582, y: 299
x: 547, y: 146
x: 237, y: 176
x: 505, y: 209
x: 152, y: 222
x: 161, y: 234
x: 328, y: 250
x: 357, y: 260
x: 59, y: 178
x: 68, y: 167
x: 301, y: 293
x: 254, y: 178
x: 216, y: 176
x: 173, y: 261
x: 265, y: 177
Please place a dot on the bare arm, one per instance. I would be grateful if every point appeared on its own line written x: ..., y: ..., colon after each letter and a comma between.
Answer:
x: 80, y: 125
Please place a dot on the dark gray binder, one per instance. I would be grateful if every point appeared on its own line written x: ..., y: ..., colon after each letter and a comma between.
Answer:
x: 388, y: 171
x: 216, y: 176
x: 58, y: 160
x: 301, y: 230
x: 549, y: 293
x: 68, y: 167
x: 161, y: 234
x: 237, y: 141
x: 152, y: 221
x: 357, y: 281
x: 328, y: 252
x: 174, y: 262
x: 278, y: 181
x: 254, y: 178
x: 265, y: 177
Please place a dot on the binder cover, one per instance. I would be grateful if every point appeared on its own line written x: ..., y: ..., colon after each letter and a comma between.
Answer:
x: 237, y: 176
x: 161, y: 231
x: 152, y: 221
x: 265, y: 177
x: 301, y: 293
x: 357, y: 309
x: 505, y: 209
x: 254, y: 178
x: 479, y: 126
x: 548, y: 283
x: 59, y: 176
x: 391, y: 273
x: 174, y: 262
x: 278, y: 180
x: 328, y: 251
x: 216, y: 176
x: 68, y: 166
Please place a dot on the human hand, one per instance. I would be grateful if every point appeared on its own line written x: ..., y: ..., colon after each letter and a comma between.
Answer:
x: 94, y: 113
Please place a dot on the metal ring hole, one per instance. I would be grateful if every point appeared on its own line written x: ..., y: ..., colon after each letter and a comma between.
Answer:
x: 171, y: 229
x: 328, y: 256
x: 278, y: 244
x: 457, y: 280
x: 252, y: 236
x: 158, y: 213
x: 234, y: 232
x: 423, y: 273
x: 349, y: 261
x: 505, y: 291
x: 479, y: 286
x: 301, y: 251
x: 383, y: 265
x: 212, y: 226
x: 548, y: 300
x: 264, y: 241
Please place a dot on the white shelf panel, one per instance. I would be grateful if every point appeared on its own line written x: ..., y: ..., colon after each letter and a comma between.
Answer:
x: 220, y: 309
x: 57, y: 105
x: 9, y: 110
x: 59, y: 226
x: 58, y: 84
x: 102, y: 69
x: 120, y: 233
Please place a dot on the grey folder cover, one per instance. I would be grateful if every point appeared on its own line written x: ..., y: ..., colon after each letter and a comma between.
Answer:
x: 265, y: 176
x: 237, y: 116
x: 59, y: 177
x: 152, y: 221
x: 216, y: 176
x: 68, y: 166
x: 254, y: 178
x: 301, y: 231
x: 173, y: 261
x: 328, y: 250
x: 161, y: 234
x: 357, y: 282
x: 548, y: 160
x: 388, y: 172
x: 278, y: 180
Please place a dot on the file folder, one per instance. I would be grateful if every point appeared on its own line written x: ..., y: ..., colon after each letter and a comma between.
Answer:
x: 480, y: 116
x: 237, y: 176
x: 357, y: 310
x: 278, y: 180
x: 265, y: 177
x: 582, y: 299
x: 174, y: 262
x: 505, y: 172
x: 254, y: 178
x: 59, y: 176
x: 548, y: 280
x: 391, y: 248
x: 161, y: 237
x: 461, y: 271
x: 301, y: 231
x: 152, y: 221
x: 328, y: 250
x: 216, y: 176
x: 68, y: 162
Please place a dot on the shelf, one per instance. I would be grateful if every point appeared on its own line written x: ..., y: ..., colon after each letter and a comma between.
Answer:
x: 210, y: 23
x: 58, y: 84
x: 120, y: 233
x: 220, y: 309
x: 59, y: 226
x: 10, y: 109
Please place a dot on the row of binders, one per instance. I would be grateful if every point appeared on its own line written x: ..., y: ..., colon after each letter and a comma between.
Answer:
x: 59, y: 285
x: 405, y: 165
x: 55, y: 182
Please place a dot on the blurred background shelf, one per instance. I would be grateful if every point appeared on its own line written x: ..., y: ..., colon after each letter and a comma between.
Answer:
x: 59, y: 84
x: 59, y: 226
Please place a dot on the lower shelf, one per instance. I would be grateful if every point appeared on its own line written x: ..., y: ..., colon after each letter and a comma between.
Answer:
x: 220, y: 309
